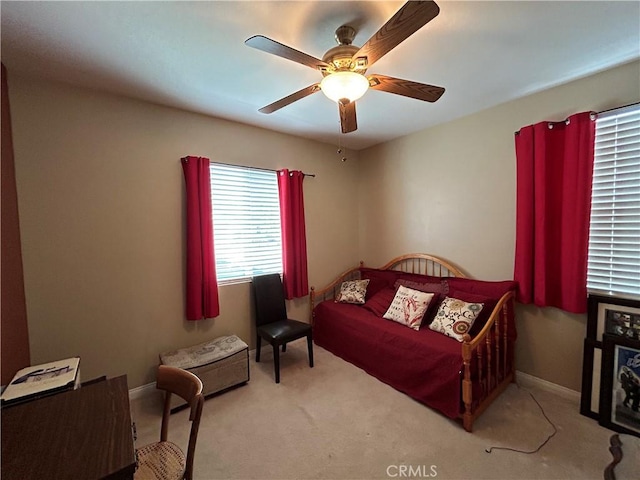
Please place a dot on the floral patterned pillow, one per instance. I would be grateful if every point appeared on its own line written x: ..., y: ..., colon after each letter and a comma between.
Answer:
x: 455, y: 317
x: 408, y: 307
x: 353, y: 291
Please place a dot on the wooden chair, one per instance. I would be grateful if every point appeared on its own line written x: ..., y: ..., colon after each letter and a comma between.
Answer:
x: 164, y: 460
x: 272, y: 323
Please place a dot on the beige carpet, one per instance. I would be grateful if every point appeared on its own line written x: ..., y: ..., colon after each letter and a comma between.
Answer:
x: 336, y: 422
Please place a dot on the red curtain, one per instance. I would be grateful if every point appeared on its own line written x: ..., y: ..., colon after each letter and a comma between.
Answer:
x: 202, y: 284
x: 294, y: 240
x: 554, y: 172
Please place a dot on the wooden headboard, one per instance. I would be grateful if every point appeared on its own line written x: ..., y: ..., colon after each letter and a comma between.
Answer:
x: 420, y: 263
x: 423, y: 264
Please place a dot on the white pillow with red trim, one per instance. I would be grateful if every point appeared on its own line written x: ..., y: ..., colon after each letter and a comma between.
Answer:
x: 408, y: 307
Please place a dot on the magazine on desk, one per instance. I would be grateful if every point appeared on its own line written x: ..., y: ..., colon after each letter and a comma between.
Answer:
x: 40, y: 380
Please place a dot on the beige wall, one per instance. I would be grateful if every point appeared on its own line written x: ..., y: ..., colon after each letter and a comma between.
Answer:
x: 100, y: 194
x: 450, y: 190
x: 101, y: 198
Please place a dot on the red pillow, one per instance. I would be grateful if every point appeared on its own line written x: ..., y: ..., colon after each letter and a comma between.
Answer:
x: 437, y: 287
x: 418, y: 277
x: 432, y: 309
x: 480, y: 287
x: 494, y: 291
x: 485, y: 313
x: 386, y: 276
x: 379, y: 303
x: 390, y: 276
x: 375, y: 285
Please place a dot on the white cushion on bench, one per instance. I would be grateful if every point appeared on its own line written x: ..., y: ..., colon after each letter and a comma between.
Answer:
x: 203, y: 353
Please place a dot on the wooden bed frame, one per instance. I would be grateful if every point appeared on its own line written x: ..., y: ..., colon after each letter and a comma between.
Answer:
x: 491, y: 349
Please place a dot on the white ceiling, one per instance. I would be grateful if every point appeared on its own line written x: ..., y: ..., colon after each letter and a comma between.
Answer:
x: 191, y: 55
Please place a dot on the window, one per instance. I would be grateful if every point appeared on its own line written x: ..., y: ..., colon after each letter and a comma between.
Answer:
x: 614, y: 238
x: 246, y: 222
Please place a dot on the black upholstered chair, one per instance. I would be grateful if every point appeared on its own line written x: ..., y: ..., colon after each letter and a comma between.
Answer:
x: 272, y: 323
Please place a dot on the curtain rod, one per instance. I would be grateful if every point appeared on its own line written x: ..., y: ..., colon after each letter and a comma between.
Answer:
x: 617, y: 108
x: 259, y: 168
x: 598, y: 113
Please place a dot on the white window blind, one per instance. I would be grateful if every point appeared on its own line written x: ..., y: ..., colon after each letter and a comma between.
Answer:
x: 614, y: 237
x: 246, y: 222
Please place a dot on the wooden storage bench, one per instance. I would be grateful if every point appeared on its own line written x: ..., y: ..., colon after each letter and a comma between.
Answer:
x: 220, y: 363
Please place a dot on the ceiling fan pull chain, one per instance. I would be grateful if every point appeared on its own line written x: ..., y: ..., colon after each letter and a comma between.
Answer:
x: 344, y: 158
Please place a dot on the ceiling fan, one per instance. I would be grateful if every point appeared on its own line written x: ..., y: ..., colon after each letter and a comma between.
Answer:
x: 344, y: 67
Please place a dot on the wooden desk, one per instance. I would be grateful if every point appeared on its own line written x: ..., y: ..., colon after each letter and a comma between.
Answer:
x: 80, y: 434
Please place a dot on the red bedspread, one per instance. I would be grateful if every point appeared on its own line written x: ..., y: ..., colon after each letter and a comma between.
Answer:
x: 423, y: 364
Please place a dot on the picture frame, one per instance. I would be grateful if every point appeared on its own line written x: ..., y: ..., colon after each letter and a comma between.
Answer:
x: 590, y: 397
x: 599, y: 308
x: 623, y: 322
x: 620, y: 384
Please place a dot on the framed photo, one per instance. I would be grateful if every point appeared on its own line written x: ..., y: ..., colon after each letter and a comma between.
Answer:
x: 622, y: 322
x: 620, y: 385
x: 605, y: 315
x: 592, y: 362
x: 617, y: 316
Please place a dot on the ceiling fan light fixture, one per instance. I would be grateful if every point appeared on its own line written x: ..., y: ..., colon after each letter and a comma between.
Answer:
x: 340, y: 85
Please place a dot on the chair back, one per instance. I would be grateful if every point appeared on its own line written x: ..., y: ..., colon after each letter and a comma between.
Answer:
x: 189, y: 387
x: 269, y: 299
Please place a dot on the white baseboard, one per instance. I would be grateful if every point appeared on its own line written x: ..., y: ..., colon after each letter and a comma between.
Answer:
x: 142, y: 391
x: 527, y: 380
x: 524, y: 379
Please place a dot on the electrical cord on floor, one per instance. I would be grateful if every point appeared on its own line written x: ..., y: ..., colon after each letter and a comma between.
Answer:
x: 555, y: 430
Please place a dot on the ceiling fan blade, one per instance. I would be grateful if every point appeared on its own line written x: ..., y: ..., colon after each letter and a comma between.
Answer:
x: 407, y: 88
x: 348, y: 121
x: 283, y: 102
x: 265, y: 44
x: 409, y: 19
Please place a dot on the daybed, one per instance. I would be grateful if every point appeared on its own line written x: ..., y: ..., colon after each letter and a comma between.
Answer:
x: 458, y: 377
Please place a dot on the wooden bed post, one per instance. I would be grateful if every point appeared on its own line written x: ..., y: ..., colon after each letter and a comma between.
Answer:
x: 467, y: 386
x: 498, y: 343
x: 312, y: 299
x: 505, y: 340
x: 489, y: 360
